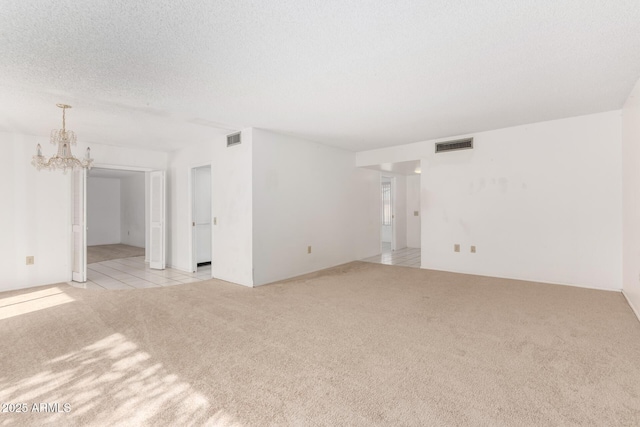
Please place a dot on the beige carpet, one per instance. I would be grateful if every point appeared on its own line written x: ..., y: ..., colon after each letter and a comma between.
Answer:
x: 101, y: 253
x: 363, y: 344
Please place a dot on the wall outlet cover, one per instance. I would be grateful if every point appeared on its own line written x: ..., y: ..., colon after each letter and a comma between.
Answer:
x: 30, y: 260
x: 456, y: 247
x: 308, y: 249
x: 473, y: 249
x: 416, y: 213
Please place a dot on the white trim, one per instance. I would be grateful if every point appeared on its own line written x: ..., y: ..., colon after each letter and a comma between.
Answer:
x: 200, y: 164
x: 595, y: 288
x: 192, y: 253
x: 120, y: 167
x: 190, y: 200
x: 635, y: 311
x: 160, y: 223
x: 79, y: 225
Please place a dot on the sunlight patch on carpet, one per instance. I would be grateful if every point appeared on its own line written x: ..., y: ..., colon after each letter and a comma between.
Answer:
x: 117, y: 383
x: 32, y: 301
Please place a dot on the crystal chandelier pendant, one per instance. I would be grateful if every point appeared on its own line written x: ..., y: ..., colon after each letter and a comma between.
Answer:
x: 63, y: 159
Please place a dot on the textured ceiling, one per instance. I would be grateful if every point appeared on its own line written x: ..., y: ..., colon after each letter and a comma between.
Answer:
x: 358, y: 75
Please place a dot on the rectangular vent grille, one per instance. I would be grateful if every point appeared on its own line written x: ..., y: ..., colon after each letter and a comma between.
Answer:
x: 460, y: 144
x: 233, y: 139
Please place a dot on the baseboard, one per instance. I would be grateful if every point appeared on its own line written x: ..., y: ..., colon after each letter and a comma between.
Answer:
x: 529, y: 280
x: 634, y: 309
x: 18, y: 288
x: 31, y: 286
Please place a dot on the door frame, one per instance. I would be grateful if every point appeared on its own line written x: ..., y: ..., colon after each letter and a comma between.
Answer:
x: 393, y: 210
x: 159, y: 226
x: 191, y: 202
x: 147, y: 221
x: 79, y: 226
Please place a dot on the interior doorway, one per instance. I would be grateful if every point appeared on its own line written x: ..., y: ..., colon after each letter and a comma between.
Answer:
x: 116, y: 212
x: 201, y: 220
x: 387, y: 217
x: 120, y: 219
x: 398, y: 206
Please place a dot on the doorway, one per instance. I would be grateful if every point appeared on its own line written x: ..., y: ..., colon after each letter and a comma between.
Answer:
x: 201, y: 237
x: 116, y: 214
x: 387, y: 218
x: 98, y: 218
x: 398, y: 208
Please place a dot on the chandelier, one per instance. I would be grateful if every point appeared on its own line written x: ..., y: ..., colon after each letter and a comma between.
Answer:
x: 63, y: 159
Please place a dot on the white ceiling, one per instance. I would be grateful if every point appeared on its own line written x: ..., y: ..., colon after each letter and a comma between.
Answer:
x: 358, y: 75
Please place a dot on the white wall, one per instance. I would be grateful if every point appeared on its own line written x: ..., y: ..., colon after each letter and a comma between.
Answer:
x: 413, y: 204
x: 108, y: 156
x: 631, y: 197
x: 232, y: 199
x: 34, y: 217
x: 304, y: 195
x: 541, y: 202
x: 132, y: 210
x: 365, y: 218
x: 103, y: 211
x: 35, y: 214
x: 400, y: 211
x: 179, y: 200
x: 269, y: 195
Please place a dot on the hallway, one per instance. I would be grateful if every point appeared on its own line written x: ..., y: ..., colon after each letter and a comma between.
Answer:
x: 134, y: 273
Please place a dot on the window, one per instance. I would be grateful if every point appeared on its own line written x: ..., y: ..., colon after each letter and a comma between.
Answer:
x: 386, y: 203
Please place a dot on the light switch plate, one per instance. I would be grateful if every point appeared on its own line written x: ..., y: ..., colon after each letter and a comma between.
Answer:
x: 456, y: 247
x: 416, y: 213
x: 30, y: 260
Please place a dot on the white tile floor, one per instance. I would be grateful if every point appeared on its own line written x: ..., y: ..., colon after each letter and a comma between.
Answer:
x: 407, y: 257
x: 134, y: 273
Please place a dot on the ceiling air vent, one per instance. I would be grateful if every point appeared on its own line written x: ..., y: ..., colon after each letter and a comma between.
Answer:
x: 233, y: 139
x: 460, y: 144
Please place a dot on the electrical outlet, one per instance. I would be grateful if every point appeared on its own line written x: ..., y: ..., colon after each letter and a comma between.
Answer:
x: 31, y: 260
x: 416, y: 213
x: 456, y: 247
x: 308, y: 249
x: 473, y: 249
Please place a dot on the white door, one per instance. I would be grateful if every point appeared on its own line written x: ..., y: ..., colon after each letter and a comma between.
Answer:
x: 157, y: 214
x: 201, y: 215
x: 78, y: 225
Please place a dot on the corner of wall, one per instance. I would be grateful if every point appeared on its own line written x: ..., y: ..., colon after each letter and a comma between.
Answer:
x: 631, y: 199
